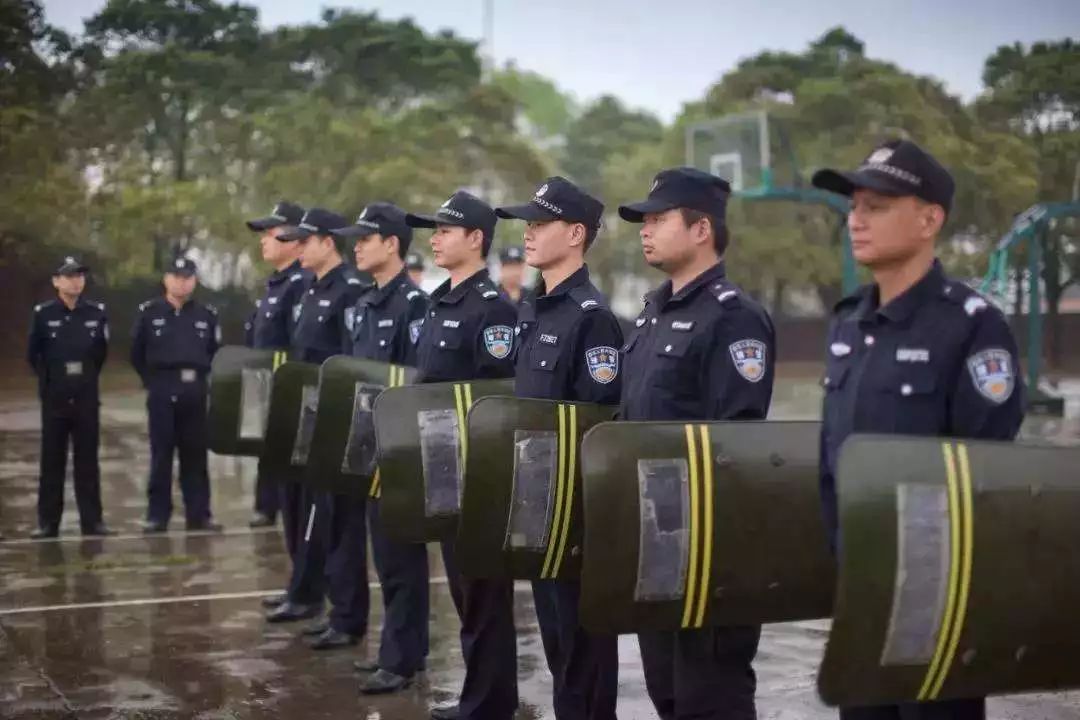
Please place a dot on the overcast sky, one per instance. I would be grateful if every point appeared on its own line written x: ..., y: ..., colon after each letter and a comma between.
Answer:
x: 658, y: 54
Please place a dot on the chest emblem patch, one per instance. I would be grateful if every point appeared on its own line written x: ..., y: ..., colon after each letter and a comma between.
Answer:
x: 414, y: 330
x: 749, y: 358
x: 993, y: 374
x: 499, y: 340
x: 603, y: 363
x: 296, y: 311
x: 350, y: 318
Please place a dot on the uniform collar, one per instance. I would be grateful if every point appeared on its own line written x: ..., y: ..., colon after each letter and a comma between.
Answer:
x: 576, y: 279
x: 445, y: 294
x: 280, y: 275
x: 902, y: 307
x: 329, y: 278
x: 379, y: 295
x: 663, y: 294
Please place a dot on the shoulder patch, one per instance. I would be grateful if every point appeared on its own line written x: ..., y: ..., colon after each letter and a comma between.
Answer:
x: 144, y: 305
x: 749, y: 358
x: 499, y: 340
x: 603, y: 363
x: 589, y: 304
x: 993, y: 374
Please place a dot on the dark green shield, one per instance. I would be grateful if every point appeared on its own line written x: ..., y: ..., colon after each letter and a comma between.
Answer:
x: 294, y: 403
x: 240, y: 383
x: 342, y: 457
x: 959, y: 574
x: 423, y: 448
x: 690, y: 525
x: 521, y: 511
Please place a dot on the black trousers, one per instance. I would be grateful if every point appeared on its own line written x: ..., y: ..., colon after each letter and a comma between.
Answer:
x: 178, y: 426
x: 584, y: 666
x: 267, y: 496
x: 403, y: 576
x: 70, y: 418
x: 346, y: 564
x: 701, y: 674
x: 973, y: 709
x: 488, y: 642
x: 307, y: 585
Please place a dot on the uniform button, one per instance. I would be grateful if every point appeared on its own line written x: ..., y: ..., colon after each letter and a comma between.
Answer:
x: 442, y: 343
x: 654, y: 321
x: 432, y: 313
x: 267, y: 314
x: 667, y: 348
x: 828, y: 381
x: 310, y: 292
x: 382, y: 343
x: 869, y: 339
x: 906, y: 389
x: 543, y: 363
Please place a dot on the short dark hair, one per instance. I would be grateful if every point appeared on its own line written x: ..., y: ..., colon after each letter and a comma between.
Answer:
x: 720, y: 231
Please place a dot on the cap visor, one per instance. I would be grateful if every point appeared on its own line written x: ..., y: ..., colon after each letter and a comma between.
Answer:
x: 263, y: 224
x: 181, y: 273
x: 80, y: 270
x: 529, y: 212
x: 353, y: 231
x: 845, y: 183
x: 636, y: 212
x: 294, y: 234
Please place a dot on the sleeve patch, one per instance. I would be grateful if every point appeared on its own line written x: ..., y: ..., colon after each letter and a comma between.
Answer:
x: 993, y: 374
x: 499, y: 340
x: 749, y: 358
x: 603, y: 363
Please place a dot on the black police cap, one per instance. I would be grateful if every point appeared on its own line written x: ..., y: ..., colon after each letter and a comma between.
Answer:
x: 284, y: 213
x: 682, y: 187
x: 558, y: 199
x: 899, y: 168
x: 511, y: 254
x: 316, y: 221
x: 462, y: 209
x: 182, y: 266
x: 379, y: 217
x: 414, y: 261
x: 71, y: 265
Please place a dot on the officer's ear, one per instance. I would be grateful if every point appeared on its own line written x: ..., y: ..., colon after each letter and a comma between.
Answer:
x: 475, y: 238
x: 395, y: 244
x: 931, y: 219
x: 578, y: 235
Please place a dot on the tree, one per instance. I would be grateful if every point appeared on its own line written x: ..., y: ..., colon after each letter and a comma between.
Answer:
x: 605, y: 129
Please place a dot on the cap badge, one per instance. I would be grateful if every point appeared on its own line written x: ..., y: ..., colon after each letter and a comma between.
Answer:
x: 543, y: 189
x: 880, y: 156
x: 655, y: 184
x: 69, y: 260
x: 447, y: 203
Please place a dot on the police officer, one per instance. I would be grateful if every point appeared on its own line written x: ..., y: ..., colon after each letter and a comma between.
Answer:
x: 270, y: 328
x: 469, y: 334
x: 319, y: 332
x: 174, y: 340
x: 512, y: 273
x: 69, y: 339
x: 385, y: 326
x: 568, y: 349
x: 701, y: 349
x: 915, y: 352
x: 414, y: 265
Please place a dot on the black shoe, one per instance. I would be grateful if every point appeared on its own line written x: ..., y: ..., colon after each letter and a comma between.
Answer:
x: 98, y: 529
x: 207, y: 525
x: 153, y: 527
x: 333, y: 639
x: 261, y: 520
x: 314, y: 631
x: 45, y: 531
x: 291, y: 612
x: 445, y: 712
x: 365, y: 666
x: 384, y: 682
x: 275, y: 601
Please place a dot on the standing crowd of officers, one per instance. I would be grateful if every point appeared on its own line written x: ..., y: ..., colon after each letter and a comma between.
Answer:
x: 914, y: 352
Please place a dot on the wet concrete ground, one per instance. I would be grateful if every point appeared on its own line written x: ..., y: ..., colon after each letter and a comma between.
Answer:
x: 170, y: 626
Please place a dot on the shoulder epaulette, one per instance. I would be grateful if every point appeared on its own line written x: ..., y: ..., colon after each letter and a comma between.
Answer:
x: 724, y: 293
x: 296, y: 276
x: 144, y: 305
x: 587, y: 298
x: 486, y: 292
x: 966, y: 296
x: 101, y: 306
x: 212, y: 309
x: 354, y: 281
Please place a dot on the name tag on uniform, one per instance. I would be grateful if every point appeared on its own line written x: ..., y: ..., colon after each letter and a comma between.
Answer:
x: 272, y: 300
x: 324, y: 303
x: 682, y: 325
x: 386, y: 323
x: 73, y: 368
x: 159, y: 321
x: 912, y: 355
x: 187, y: 375
x: 54, y: 323
x: 451, y: 323
x: 549, y: 339
x: 201, y: 324
x: 91, y: 323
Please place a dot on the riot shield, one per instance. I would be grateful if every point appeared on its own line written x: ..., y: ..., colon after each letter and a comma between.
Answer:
x: 958, y: 571
x: 240, y: 383
x: 521, y: 509
x: 697, y: 525
x: 423, y: 447
x: 294, y: 402
x: 342, y: 457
